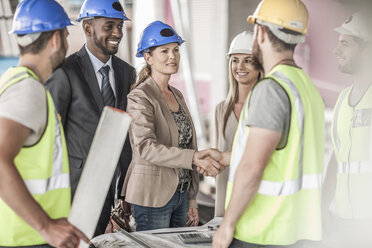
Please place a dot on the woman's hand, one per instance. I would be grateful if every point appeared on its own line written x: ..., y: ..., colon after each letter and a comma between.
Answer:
x: 206, y: 165
x: 223, y: 158
x: 211, y: 162
x: 193, y: 217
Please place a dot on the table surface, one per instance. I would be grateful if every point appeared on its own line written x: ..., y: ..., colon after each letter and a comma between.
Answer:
x: 162, y: 238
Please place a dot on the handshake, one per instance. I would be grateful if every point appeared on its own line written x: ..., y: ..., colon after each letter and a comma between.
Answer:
x: 211, y: 162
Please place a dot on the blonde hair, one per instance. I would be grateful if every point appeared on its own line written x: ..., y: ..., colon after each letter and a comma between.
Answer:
x: 233, y: 94
x: 145, y: 72
x: 142, y: 76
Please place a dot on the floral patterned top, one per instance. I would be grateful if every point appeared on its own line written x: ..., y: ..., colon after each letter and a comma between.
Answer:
x: 184, y: 138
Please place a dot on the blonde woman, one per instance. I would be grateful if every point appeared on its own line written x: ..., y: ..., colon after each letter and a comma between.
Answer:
x: 162, y: 179
x: 244, y: 73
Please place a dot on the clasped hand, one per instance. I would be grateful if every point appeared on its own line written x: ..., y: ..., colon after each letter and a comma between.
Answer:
x: 210, y: 162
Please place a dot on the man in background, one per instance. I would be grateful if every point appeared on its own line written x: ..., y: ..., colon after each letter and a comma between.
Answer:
x: 90, y: 79
x: 347, y: 202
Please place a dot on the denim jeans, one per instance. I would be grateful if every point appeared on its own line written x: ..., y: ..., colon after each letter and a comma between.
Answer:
x: 173, y: 214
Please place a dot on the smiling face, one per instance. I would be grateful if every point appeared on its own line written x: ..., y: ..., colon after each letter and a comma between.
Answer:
x: 348, y: 54
x: 164, y: 59
x: 103, y: 36
x: 243, y: 68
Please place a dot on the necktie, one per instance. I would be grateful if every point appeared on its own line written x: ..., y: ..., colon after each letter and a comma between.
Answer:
x: 106, y: 90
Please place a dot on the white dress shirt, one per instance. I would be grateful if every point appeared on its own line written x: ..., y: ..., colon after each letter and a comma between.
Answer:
x: 98, y: 64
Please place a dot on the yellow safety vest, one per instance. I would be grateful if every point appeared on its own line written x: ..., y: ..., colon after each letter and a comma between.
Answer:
x: 287, y: 205
x: 352, y: 141
x: 44, y: 169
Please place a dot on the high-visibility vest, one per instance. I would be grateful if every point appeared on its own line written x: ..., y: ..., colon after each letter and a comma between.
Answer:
x: 44, y: 169
x: 352, y: 141
x: 287, y: 206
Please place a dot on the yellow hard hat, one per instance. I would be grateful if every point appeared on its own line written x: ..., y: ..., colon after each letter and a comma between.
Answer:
x: 289, y: 14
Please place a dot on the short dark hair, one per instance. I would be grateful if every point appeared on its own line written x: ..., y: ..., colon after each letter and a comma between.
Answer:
x: 89, y: 21
x: 278, y: 44
x: 40, y: 43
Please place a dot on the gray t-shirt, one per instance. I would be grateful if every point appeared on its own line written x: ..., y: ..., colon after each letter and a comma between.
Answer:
x: 270, y: 108
x: 26, y: 103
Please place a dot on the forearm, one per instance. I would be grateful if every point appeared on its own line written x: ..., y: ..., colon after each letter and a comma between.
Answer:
x: 226, y: 158
x: 171, y: 157
x: 246, y: 184
x: 14, y: 193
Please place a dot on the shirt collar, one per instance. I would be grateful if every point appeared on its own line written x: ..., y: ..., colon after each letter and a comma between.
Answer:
x: 97, y: 64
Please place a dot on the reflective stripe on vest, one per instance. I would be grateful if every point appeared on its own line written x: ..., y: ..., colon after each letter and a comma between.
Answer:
x: 40, y: 186
x: 290, y: 187
x: 354, y: 167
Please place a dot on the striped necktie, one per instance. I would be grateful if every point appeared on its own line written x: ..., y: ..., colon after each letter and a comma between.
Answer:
x: 106, y: 90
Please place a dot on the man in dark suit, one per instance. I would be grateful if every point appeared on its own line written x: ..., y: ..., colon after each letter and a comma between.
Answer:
x: 89, y: 80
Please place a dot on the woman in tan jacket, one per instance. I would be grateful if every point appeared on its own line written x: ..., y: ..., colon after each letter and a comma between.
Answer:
x: 162, y: 180
x: 244, y: 72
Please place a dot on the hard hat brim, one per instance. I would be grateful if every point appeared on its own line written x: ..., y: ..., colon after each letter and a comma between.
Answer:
x: 80, y: 19
x: 342, y: 30
x: 240, y: 51
x: 139, y: 54
x: 32, y: 31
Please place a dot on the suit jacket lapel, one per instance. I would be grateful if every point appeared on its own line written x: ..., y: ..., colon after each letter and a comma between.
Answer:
x: 119, y: 81
x: 90, y: 76
x: 168, y: 115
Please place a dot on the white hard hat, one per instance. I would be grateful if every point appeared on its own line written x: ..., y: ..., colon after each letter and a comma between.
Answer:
x: 356, y: 25
x: 242, y: 43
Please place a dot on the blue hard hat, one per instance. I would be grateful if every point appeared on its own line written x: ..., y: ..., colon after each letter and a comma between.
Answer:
x: 157, y: 33
x: 101, y: 8
x: 35, y: 16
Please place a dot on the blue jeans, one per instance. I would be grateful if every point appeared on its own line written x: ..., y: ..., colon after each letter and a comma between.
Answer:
x: 173, y: 214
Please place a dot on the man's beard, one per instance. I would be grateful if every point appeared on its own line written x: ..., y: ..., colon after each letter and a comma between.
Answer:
x: 104, y: 50
x: 58, y: 58
x: 256, y: 50
x: 350, y: 67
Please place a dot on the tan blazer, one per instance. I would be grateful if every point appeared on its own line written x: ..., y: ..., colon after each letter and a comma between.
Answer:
x: 223, y: 144
x: 152, y: 177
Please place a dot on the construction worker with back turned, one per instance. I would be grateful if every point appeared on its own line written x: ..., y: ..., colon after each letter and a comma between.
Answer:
x: 34, y: 178
x: 274, y: 187
x: 347, y: 200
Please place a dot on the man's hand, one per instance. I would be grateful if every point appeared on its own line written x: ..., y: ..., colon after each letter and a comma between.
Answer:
x: 206, y: 165
x: 193, y: 217
x: 224, y: 236
x: 60, y: 233
x: 221, y: 157
x: 14, y: 193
